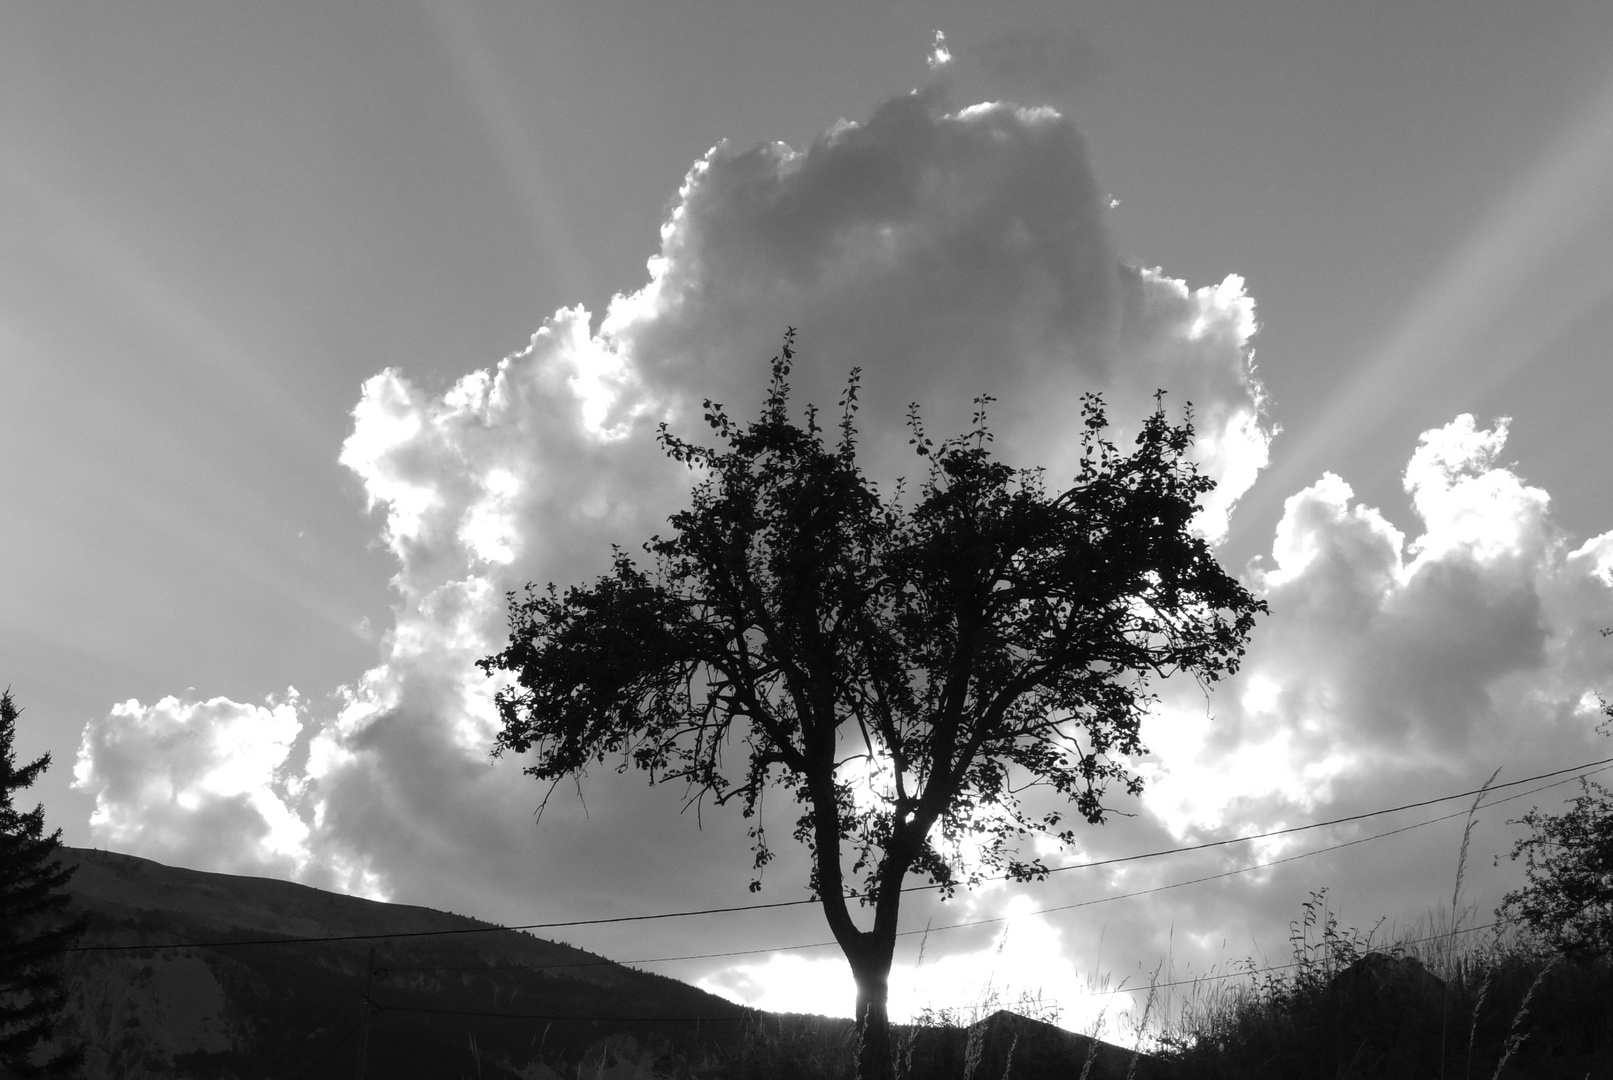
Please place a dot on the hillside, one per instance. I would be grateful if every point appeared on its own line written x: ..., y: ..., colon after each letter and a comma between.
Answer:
x: 215, y: 987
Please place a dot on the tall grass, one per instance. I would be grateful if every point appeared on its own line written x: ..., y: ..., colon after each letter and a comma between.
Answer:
x: 1351, y: 1007
x: 959, y: 1043
x: 1434, y: 1003
x: 1520, y: 1014
x: 1438, y: 1001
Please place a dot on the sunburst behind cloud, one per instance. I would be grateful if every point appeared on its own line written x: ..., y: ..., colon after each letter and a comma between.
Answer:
x: 948, y: 252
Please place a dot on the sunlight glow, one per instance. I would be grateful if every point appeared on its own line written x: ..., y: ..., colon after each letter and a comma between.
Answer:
x: 788, y: 982
x: 476, y: 66
x: 490, y: 528
x: 219, y: 760
x: 1467, y: 503
x: 1024, y: 966
x: 1598, y: 550
x: 1481, y: 310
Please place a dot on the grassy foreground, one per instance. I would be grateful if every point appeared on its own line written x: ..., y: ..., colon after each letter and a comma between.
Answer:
x: 1443, y: 1006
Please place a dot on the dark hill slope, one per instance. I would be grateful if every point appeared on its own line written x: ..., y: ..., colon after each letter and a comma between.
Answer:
x: 216, y: 988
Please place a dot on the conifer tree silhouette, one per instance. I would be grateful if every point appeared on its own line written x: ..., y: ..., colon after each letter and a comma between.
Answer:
x: 34, y: 927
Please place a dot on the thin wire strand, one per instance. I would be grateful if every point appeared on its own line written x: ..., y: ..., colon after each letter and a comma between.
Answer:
x: 1150, y: 987
x: 752, y: 1013
x: 619, y: 919
x: 1248, y: 971
x: 997, y: 919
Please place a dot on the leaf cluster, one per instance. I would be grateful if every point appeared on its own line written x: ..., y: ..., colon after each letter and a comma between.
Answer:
x: 1568, y: 901
x: 903, y: 673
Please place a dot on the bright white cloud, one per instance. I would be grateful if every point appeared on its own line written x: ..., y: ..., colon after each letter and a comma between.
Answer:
x: 197, y: 783
x: 1595, y: 558
x: 1391, y: 669
x: 1024, y: 963
x: 1387, y: 664
x: 1468, y: 504
x: 786, y: 982
x: 949, y: 253
x: 1025, y: 957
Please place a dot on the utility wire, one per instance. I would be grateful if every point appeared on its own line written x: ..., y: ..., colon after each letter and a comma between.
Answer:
x: 984, y: 922
x: 319, y: 1025
x: 748, y: 1014
x: 1197, y: 979
x: 1318, y: 824
x: 1270, y: 968
x: 1152, y: 986
x: 752, y: 1013
x: 1246, y: 869
x: 617, y: 919
x: 966, y: 923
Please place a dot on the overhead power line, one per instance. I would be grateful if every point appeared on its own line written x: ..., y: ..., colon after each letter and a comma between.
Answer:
x: 1315, y: 824
x: 1246, y: 972
x: 980, y: 922
x: 945, y: 926
x: 731, y: 909
x: 752, y: 1013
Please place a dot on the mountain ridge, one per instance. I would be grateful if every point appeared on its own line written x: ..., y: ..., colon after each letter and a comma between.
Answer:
x: 191, y: 973
x: 195, y: 974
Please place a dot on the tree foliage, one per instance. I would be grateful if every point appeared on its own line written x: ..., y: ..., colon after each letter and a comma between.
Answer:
x: 1568, y: 901
x: 902, y: 673
x: 33, y: 928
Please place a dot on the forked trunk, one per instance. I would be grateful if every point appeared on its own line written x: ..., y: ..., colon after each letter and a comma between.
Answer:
x: 874, y: 1060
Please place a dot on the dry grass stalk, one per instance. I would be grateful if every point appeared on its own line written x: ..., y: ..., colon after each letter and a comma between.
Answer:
x: 1456, y: 916
x: 1142, y: 1025
x: 1473, y: 1032
x: 1515, y: 1037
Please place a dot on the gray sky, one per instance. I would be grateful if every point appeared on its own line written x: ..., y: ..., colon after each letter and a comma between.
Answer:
x: 221, y: 223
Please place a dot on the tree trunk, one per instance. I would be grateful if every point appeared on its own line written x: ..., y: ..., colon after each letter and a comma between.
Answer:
x: 874, y: 1058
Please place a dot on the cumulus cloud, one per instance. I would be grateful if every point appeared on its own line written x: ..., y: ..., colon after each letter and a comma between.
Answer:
x: 1389, y: 661
x: 947, y: 251
x: 197, y: 783
x: 1393, y: 669
x: 1018, y: 963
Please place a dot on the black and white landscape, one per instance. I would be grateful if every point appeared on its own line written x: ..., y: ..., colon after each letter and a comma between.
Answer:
x: 324, y: 325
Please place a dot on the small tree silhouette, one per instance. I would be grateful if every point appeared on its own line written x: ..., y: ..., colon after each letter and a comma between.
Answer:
x: 1568, y: 901
x: 33, y: 933
x: 902, y: 673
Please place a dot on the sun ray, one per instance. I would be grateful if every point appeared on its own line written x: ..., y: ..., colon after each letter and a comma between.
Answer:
x: 1486, y: 314
x: 478, y: 71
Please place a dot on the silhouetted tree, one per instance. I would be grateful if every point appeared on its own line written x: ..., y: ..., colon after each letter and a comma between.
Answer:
x: 33, y: 928
x: 902, y: 672
x: 1568, y: 901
